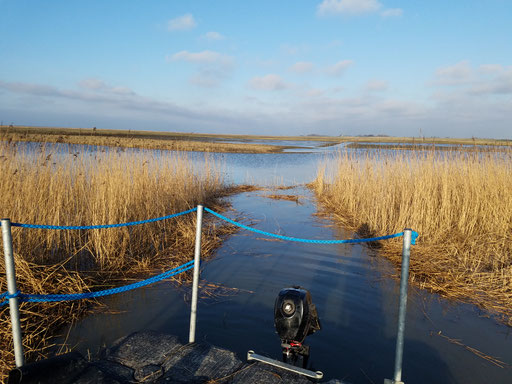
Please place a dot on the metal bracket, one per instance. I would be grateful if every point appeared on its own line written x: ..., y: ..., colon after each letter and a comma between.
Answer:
x: 251, y: 356
x: 388, y: 381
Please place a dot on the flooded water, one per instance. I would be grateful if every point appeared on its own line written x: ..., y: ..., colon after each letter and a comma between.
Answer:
x: 356, y: 299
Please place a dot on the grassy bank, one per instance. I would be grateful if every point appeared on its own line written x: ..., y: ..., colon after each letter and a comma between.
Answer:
x: 48, y: 187
x: 460, y: 203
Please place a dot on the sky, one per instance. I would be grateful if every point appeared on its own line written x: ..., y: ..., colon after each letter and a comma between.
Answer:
x: 332, y: 67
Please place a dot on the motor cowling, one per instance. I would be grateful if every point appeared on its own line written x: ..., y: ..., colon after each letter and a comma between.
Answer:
x: 295, y: 315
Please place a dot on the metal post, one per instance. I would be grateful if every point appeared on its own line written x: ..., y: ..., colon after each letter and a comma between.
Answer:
x: 195, y: 283
x: 12, y: 289
x: 404, y: 279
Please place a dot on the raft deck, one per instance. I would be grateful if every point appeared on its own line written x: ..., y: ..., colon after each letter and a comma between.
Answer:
x: 152, y: 357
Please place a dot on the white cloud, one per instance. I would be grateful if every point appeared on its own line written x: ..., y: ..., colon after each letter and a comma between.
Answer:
x: 339, y: 68
x: 112, y: 104
x: 336, y: 7
x: 459, y: 73
x: 95, y: 90
x: 366, y: 111
x: 92, y: 83
x: 392, y: 12
x: 302, y: 67
x: 462, y: 80
x: 498, y: 83
x: 98, y: 85
x: 376, y: 86
x: 213, y: 36
x: 199, y: 57
x: 491, y: 68
x: 268, y: 82
x: 121, y: 90
x: 182, y: 23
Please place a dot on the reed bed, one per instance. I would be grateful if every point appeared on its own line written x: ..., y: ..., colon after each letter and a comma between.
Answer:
x: 460, y: 203
x: 173, y: 144
x: 49, y: 185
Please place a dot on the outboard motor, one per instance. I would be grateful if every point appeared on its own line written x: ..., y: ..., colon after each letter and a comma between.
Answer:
x: 295, y: 317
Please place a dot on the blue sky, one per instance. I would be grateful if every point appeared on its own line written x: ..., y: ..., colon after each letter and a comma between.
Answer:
x: 412, y: 68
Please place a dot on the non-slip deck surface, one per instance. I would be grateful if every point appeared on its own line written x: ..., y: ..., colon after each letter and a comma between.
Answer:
x: 151, y: 357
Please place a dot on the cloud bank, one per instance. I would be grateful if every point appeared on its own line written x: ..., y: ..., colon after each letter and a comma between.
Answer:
x: 464, y: 99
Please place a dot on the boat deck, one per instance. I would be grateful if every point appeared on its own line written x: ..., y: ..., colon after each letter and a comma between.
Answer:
x: 152, y: 357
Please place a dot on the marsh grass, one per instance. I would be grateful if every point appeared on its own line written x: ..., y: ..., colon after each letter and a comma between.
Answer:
x: 173, y: 143
x: 460, y: 203
x: 50, y: 186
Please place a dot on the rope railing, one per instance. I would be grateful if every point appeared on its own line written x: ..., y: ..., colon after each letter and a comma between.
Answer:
x: 312, y: 241
x: 13, y: 296
x: 185, y: 267
x: 102, y: 226
x: 90, y: 295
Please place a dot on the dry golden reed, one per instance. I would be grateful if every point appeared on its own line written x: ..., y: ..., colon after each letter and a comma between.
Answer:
x: 460, y: 203
x: 54, y: 185
x: 174, y: 143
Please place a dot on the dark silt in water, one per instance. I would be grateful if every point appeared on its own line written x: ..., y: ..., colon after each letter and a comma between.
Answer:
x: 356, y: 299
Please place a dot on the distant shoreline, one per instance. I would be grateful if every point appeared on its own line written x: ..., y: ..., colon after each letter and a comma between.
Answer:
x: 203, y: 142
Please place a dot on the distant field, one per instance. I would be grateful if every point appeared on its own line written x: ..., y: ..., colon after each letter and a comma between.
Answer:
x: 205, y: 142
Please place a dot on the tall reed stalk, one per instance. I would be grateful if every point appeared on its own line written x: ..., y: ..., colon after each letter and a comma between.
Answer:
x: 460, y: 203
x: 54, y: 185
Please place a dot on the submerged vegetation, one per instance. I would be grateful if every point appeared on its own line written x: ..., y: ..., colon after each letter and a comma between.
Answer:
x: 460, y: 203
x: 49, y: 186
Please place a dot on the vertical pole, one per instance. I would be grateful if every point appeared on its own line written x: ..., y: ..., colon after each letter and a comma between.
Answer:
x: 195, y: 283
x: 404, y: 279
x: 11, y: 288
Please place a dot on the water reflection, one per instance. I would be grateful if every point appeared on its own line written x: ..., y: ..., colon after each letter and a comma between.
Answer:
x: 356, y: 301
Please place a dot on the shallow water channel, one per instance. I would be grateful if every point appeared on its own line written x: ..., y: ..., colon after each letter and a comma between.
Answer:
x: 351, y: 286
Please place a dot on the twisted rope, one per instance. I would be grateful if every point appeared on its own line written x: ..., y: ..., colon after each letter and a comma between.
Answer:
x: 311, y: 241
x: 72, y: 227
x: 182, y: 268
x: 90, y: 295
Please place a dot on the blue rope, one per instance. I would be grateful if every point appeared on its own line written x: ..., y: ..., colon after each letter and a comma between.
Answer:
x: 106, y: 292
x: 39, y: 226
x: 414, y: 236
x: 312, y: 241
x: 185, y: 267
x: 8, y: 296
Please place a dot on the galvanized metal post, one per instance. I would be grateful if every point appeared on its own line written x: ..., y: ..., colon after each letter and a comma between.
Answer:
x: 195, y: 282
x: 404, y: 279
x: 12, y: 289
